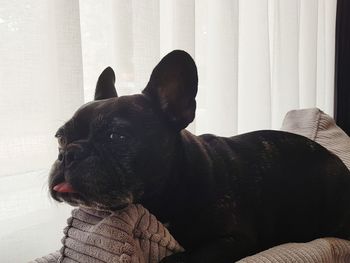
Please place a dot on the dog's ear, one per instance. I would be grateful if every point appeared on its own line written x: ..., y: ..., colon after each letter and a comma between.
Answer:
x: 173, y: 87
x: 105, y: 85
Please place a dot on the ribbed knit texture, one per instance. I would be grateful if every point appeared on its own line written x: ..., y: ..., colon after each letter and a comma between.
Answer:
x: 51, y: 258
x: 129, y: 235
x: 323, y: 250
x: 320, y: 127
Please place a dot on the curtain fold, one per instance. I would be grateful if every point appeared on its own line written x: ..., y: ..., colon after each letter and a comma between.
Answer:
x: 257, y: 59
x: 326, y: 55
x: 285, y: 75
x: 254, y: 78
x: 217, y: 59
x: 40, y: 82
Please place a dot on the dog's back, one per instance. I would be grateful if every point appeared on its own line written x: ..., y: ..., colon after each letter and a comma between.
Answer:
x: 275, y: 187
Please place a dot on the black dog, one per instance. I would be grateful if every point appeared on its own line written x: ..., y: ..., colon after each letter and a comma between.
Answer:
x: 223, y: 198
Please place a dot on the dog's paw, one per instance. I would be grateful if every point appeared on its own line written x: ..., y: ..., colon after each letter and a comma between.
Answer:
x: 175, y: 258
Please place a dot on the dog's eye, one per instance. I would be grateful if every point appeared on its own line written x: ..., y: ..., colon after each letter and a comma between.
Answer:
x: 61, y: 140
x: 117, y: 137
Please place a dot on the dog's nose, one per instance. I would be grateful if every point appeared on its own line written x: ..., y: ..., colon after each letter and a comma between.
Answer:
x: 74, y: 153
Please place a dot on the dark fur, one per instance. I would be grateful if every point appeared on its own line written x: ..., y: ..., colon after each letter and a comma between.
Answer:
x: 223, y: 198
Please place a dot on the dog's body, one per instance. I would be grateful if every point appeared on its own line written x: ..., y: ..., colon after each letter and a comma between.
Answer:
x: 254, y: 191
x: 222, y: 198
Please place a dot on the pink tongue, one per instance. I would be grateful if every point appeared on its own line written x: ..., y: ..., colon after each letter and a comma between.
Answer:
x: 64, y: 187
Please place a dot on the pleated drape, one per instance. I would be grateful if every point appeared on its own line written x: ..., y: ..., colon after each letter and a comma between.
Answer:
x: 257, y: 59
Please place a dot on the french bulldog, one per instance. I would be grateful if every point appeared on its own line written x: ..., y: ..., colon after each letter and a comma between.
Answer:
x: 221, y: 198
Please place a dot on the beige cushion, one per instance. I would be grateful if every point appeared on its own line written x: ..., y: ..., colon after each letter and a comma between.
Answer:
x: 323, y: 250
x: 320, y: 127
x: 130, y: 235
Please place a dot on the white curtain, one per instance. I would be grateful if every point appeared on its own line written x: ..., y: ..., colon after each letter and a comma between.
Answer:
x: 40, y: 86
x: 256, y: 59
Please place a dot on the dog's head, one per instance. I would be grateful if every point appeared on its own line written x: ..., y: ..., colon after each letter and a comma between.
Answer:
x: 116, y: 150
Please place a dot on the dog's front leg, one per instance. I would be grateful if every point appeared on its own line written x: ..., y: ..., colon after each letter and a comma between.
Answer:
x: 223, y: 250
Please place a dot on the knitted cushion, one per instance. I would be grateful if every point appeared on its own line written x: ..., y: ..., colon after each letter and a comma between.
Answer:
x: 129, y: 235
x: 96, y: 237
x: 323, y: 250
x: 105, y: 237
x: 51, y: 258
x: 320, y: 127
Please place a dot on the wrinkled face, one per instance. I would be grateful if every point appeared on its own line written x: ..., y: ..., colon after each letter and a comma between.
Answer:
x: 103, y: 152
x: 118, y: 150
